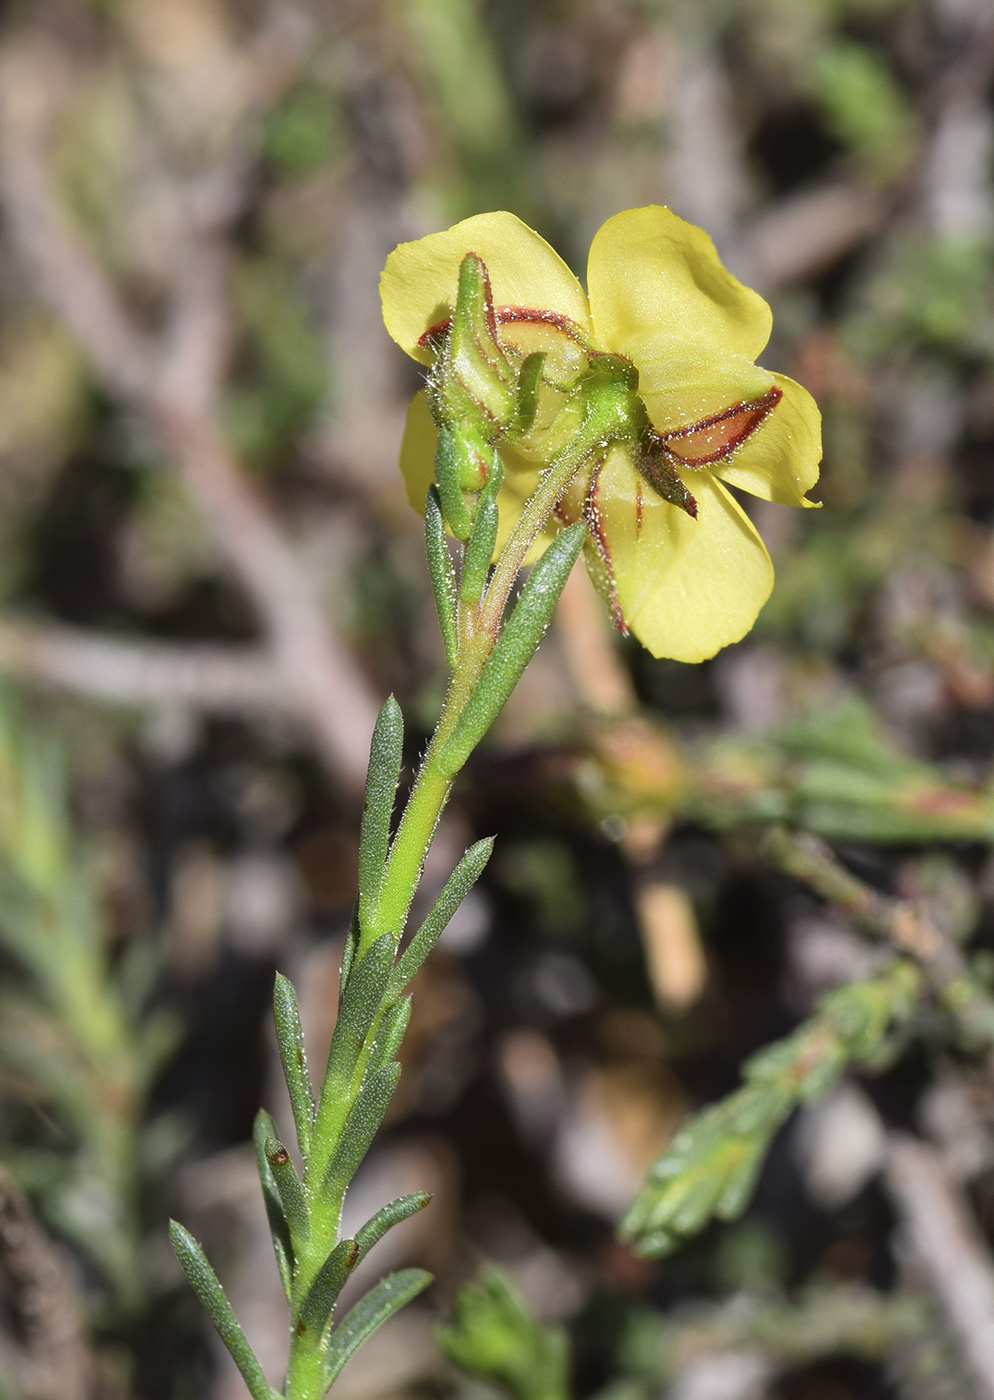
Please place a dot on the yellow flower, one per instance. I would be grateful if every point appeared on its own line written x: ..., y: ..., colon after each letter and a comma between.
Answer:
x: 685, y: 584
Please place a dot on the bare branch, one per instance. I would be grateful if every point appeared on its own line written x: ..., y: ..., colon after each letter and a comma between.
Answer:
x: 70, y: 279
x: 949, y: 1246
x: 54, y: 1359
x: 176, y: 390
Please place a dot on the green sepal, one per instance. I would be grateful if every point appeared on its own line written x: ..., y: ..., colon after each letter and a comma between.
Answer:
x: 390, y: 1033
x: 529, y: 381
x: 456, y: 888
x: 476, y: 376
x: 357, y: 1010
x: 386, y: 753
x: 264, y: 1127
x: 290, y: 1038
x: 291, y: 1193
x: 449, y: 455
x: 379, y: 1304
x: 360, y: 1128
x: 323, y: 1293
x: 204, y: 1283
x: 443, y: 575
x: 515, y: 646
x: 378, y: 1225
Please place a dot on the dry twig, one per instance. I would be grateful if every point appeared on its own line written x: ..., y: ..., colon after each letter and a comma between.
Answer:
x: 949, y: 1247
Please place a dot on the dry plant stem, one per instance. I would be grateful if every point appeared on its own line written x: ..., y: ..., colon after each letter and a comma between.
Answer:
x: 55, y: 1361
x: 949, y: 1246
x: 176, y: 391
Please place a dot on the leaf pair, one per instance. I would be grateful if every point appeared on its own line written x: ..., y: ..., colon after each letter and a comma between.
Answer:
x: 379, y: 1304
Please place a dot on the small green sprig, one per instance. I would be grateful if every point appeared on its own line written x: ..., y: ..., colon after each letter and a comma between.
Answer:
x: 711, y: 1166
x: 492, y: 1335
x: 81, y: 1041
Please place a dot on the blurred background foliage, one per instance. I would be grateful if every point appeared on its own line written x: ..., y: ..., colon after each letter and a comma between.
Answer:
x: 176, y: 822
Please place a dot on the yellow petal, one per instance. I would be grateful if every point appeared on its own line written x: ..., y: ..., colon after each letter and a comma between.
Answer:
x: 779, y: 461
x: 686, y: 587
x: 418, y: 284
x: 417, y: 451
x: 417, y: 465
x: 650, y: 270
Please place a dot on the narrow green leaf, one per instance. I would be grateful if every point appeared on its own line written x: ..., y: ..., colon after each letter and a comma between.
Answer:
x: 264, y: 1128
x: 357, y: 1010
x: 291, y: 1192
x: 377, y: 1226
x: 323, y: 1293
x: 386, y: 753
x: 379, y: 1304
x: 360, y: 1128
x: 479, y: 550
x: 390, y: 1034
x: 204, y: 1283
x: 515, y: 646
x: 290, y: 1038
x: 443, y: 575
x: 457, y: 887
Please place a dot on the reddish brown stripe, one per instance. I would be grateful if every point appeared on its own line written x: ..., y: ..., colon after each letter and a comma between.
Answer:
x: 728, y: 429
x: 595, y: 524
x: 511, y: 315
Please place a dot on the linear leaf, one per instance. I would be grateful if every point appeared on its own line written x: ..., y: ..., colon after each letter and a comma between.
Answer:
x: 377, y: 1226
x: 515, y: 646
x: 357, y: 1010
x: 443, y: 575
x: 204, y: 1283
x: 456, y: 888
x: 290, y: 1038
x: 386, y: 753
x: 263, y: 1128
x: 390, y: 1033
x: 323, y: 1292
x: 360, y: 1128
x: 479, y: 549
x: 291, y: 1193
x: 379, y: 1304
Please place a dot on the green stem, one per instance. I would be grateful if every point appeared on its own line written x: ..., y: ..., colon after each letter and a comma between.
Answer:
x: 478, y: 633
